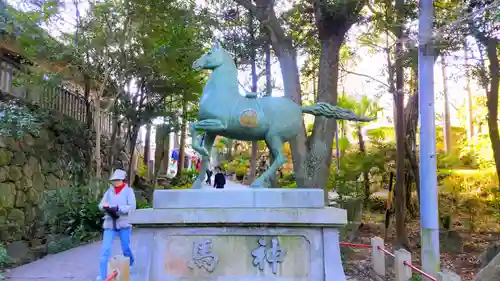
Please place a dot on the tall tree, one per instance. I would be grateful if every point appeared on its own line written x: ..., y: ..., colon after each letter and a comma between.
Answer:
x: 254, y: 78
x: 481, y: 15
x: 469, y: 101
x: 311, y: 156
x: 446, y: 114
x: 399, y: 188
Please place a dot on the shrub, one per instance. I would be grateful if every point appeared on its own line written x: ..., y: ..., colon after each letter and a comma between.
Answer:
x: 186, y: 178
x: 142, y: 169
x: 223, y: 165
x: 17, y: 120
x: 288, y: 180
x: 450, y: 161
x: 241, y: 171
x: 473, y: 207
x: 240, y: 165
x: 4, y: 261
x: 468, y: 181
x: 186, y: 186
x: 74, y: 210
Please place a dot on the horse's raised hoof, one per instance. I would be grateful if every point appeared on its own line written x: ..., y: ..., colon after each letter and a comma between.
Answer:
x: 197, y: 185
x: 258, y: 184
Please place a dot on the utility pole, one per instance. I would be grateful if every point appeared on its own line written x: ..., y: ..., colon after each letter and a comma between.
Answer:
x: 429, y: 227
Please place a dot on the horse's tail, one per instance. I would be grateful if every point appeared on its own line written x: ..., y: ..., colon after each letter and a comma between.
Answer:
x: 332, y: 111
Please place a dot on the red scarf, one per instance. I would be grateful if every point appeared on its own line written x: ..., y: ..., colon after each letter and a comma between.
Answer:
x: 119, y: 188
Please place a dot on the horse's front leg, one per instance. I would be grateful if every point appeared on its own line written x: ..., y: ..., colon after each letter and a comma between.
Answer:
x: 211, y: 126
x: 194, y: 139
x: 275, y: 145
x: 207, y: 145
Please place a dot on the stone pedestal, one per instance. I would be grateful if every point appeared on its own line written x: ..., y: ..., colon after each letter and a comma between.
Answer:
x: 229, y: 235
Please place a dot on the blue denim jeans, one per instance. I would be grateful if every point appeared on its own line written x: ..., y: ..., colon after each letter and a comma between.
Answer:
x: 107, y: 245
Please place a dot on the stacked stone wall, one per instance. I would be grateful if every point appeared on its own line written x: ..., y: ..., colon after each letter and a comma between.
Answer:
x: 53, y: 159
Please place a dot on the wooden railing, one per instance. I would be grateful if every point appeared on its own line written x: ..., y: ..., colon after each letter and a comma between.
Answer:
x: 54, y: 98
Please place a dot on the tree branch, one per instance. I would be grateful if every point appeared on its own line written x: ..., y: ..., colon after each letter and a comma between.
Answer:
x: 366, y: 76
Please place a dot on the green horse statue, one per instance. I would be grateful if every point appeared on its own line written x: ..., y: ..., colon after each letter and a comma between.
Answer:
x: 225, y: 112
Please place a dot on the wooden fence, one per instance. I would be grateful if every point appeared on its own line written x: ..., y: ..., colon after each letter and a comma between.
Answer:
x: 55, y: 98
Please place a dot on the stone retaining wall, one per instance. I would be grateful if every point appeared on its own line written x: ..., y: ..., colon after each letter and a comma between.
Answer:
x: 52, y: 159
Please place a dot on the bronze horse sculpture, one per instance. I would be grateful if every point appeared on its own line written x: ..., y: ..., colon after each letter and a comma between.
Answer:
x: 225, y: 112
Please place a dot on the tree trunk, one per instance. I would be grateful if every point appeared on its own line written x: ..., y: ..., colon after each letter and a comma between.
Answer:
x: 147, y: 145
x: 311, y: 157
x: 162, y: 150
x: 253, y: 62
x: 229, y: 145
x: 88, y: 119
x: 269, y: 86
x: 411, y: 122
x: 114, y: 150
x: 366, y: 175
x: 321, y: 139
x: 182, y: 149
x: 492, y: 99
x: 166, y: 157
x: 133, y: 142
x: 470, y: 124
x: 287, y: 58
x: 400, y: 190
x: 97, y: 151
x: 447, y: 121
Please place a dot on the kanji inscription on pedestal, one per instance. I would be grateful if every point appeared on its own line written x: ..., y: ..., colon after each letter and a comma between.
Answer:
x: 273, y: 254
x: 203, y: 255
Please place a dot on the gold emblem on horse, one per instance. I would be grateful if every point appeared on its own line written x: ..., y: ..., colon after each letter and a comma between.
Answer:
x: 249, y: 118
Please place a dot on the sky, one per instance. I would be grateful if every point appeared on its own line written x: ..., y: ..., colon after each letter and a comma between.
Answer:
x: 368, y: 63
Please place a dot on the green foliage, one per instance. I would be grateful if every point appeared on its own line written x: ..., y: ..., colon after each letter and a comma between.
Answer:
x: 224, y: 165
x: 63, y: 243
x: 143, y: 204
x: 474, y: 207
x: 184, y: 180
x: 416, y: 277
x: 16, y: 121
x: 468, y: 181
x: 288, y: 181
x: 239, y: 166
x: 4, y: 261
x: 450, y: 161
x: 74, y: 211
x: 142, y: 170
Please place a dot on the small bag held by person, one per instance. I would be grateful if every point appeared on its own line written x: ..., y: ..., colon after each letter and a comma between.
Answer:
x: 117, y: 203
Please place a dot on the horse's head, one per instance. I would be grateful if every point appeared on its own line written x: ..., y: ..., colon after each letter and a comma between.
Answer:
x: 216, y: 57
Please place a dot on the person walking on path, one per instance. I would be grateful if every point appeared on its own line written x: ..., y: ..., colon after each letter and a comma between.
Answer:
x: 219, y: 179
x: 117, y: 203
x: 209, y: 175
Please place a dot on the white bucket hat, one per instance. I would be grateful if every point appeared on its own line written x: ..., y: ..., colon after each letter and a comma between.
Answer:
x: 118, y: 175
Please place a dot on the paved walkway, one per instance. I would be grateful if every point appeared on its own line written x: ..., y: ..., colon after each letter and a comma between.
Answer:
x: 78, y: 264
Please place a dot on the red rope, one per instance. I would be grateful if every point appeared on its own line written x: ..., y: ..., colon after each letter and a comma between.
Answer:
x: 112, y: 276
x: 420, y: 271
x: 385, y: 251
x: 355, y: 245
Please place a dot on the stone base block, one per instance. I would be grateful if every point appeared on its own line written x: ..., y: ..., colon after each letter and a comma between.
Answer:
x: 239, y: 198
x: 233, y: 244
x: 239, y: 235
x: 240, y: 253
